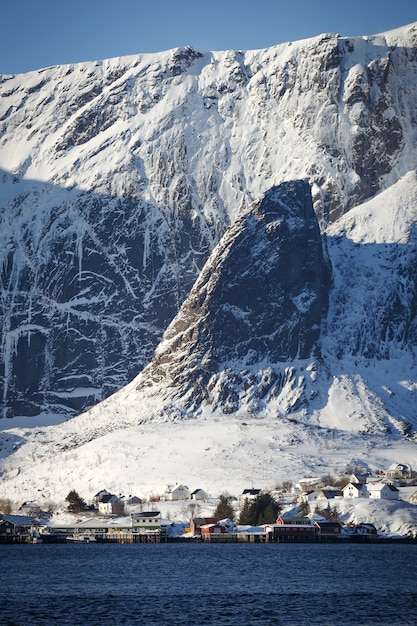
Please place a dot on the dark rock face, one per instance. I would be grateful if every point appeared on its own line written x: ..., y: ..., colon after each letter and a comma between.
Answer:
x: 260, y: 298
x: 84, y: 301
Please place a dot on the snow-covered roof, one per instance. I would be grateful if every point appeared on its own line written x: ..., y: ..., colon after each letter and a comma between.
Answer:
x: 399, y: 467
x: 21, y: 520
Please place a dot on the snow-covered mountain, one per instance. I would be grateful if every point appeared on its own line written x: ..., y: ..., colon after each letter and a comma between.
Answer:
x: 266, y: 203
x: 249, y: 409
x: 119, y: 178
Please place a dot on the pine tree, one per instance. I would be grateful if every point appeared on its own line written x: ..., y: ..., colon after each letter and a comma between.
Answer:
x: 263, y: 510
x: 304, y: 509
x: 224, y: 509
x: 75, y: 502
x: 266, y: 509
x: 246, y: 514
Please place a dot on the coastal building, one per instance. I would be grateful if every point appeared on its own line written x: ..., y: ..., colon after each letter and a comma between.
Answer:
x: 213, y: 529
x: 328, y: 530
x: 197, y: 522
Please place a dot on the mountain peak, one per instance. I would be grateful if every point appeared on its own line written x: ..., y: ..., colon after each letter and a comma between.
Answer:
x: 259, y: 299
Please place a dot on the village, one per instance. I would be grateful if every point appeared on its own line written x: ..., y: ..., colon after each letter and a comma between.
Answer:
x: 309, y: 510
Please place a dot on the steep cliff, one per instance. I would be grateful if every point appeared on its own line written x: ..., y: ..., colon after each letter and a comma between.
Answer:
x: 259, y: 303
x: 120, y: 177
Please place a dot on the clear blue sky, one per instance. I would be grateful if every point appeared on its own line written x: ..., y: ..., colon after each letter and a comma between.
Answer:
x: 39, y: 33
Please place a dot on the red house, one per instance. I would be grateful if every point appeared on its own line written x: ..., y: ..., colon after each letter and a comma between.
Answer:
x: 213, y: 529
x: 328, y: 530
x: 197, y: 522
x: 290, y: 532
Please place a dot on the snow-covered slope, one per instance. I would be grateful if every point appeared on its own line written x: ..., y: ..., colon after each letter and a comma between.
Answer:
x: 336, y: 406
x: 119, y: 178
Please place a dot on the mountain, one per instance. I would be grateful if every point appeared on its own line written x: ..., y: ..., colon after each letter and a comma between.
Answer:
x: 260, y: 377
x: 258, y: 302
x: 119, y: 178
x: 232, y: 233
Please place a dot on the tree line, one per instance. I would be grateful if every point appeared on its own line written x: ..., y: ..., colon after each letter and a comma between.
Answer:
x: 264, y: 509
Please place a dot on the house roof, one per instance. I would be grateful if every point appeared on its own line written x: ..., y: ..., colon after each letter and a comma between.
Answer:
x: 107, y: 497
x: 198, y: 521
x: 380, y: 486
x: 146, y: 514
x: 358, y: 486
x: 399, y: 467
x: 251, y: 492
x: 327, y: 524
x: 369, y: 526
x: 287, y: 519
x: 331, y: 492
x: 20, y: 520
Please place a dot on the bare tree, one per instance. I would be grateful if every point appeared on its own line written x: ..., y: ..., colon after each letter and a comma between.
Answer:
x: 6, y: 506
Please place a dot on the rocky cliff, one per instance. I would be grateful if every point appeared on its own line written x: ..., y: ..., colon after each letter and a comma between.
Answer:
x: 118, y: 179
x: 258, y: 305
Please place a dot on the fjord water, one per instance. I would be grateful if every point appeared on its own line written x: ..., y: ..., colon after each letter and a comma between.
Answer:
x: 230, y: 584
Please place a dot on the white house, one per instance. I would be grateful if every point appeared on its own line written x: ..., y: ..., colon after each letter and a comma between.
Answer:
x: 181, y: 492
x: 99, y: 496
x: 146, y: 521
x: 30, y: 508
x: 399, y: 470
x: 309, y: 496
x: 328, y: 493
x: 249, y: 494
x: 382, y: 491
x: 110, y: 505
x: 355, y: 490
x: 308, y: 484
x: 199, y: 494
x: 358, y: 478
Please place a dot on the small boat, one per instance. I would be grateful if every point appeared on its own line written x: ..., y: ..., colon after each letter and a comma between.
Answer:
x: 80, y: 539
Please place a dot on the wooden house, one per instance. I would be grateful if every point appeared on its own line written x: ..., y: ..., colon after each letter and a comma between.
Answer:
x: 367, y: 530
x: 399, y: 471
x: 355, y: 490
x: 197, y: 522
x: 213, y: 529
x: 18, y: 526
x: 328, y: 530
x: 382, y: 491
x: 290, y: 532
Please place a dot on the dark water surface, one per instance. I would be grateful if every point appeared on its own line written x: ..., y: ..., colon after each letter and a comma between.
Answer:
x: 207, y: 584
